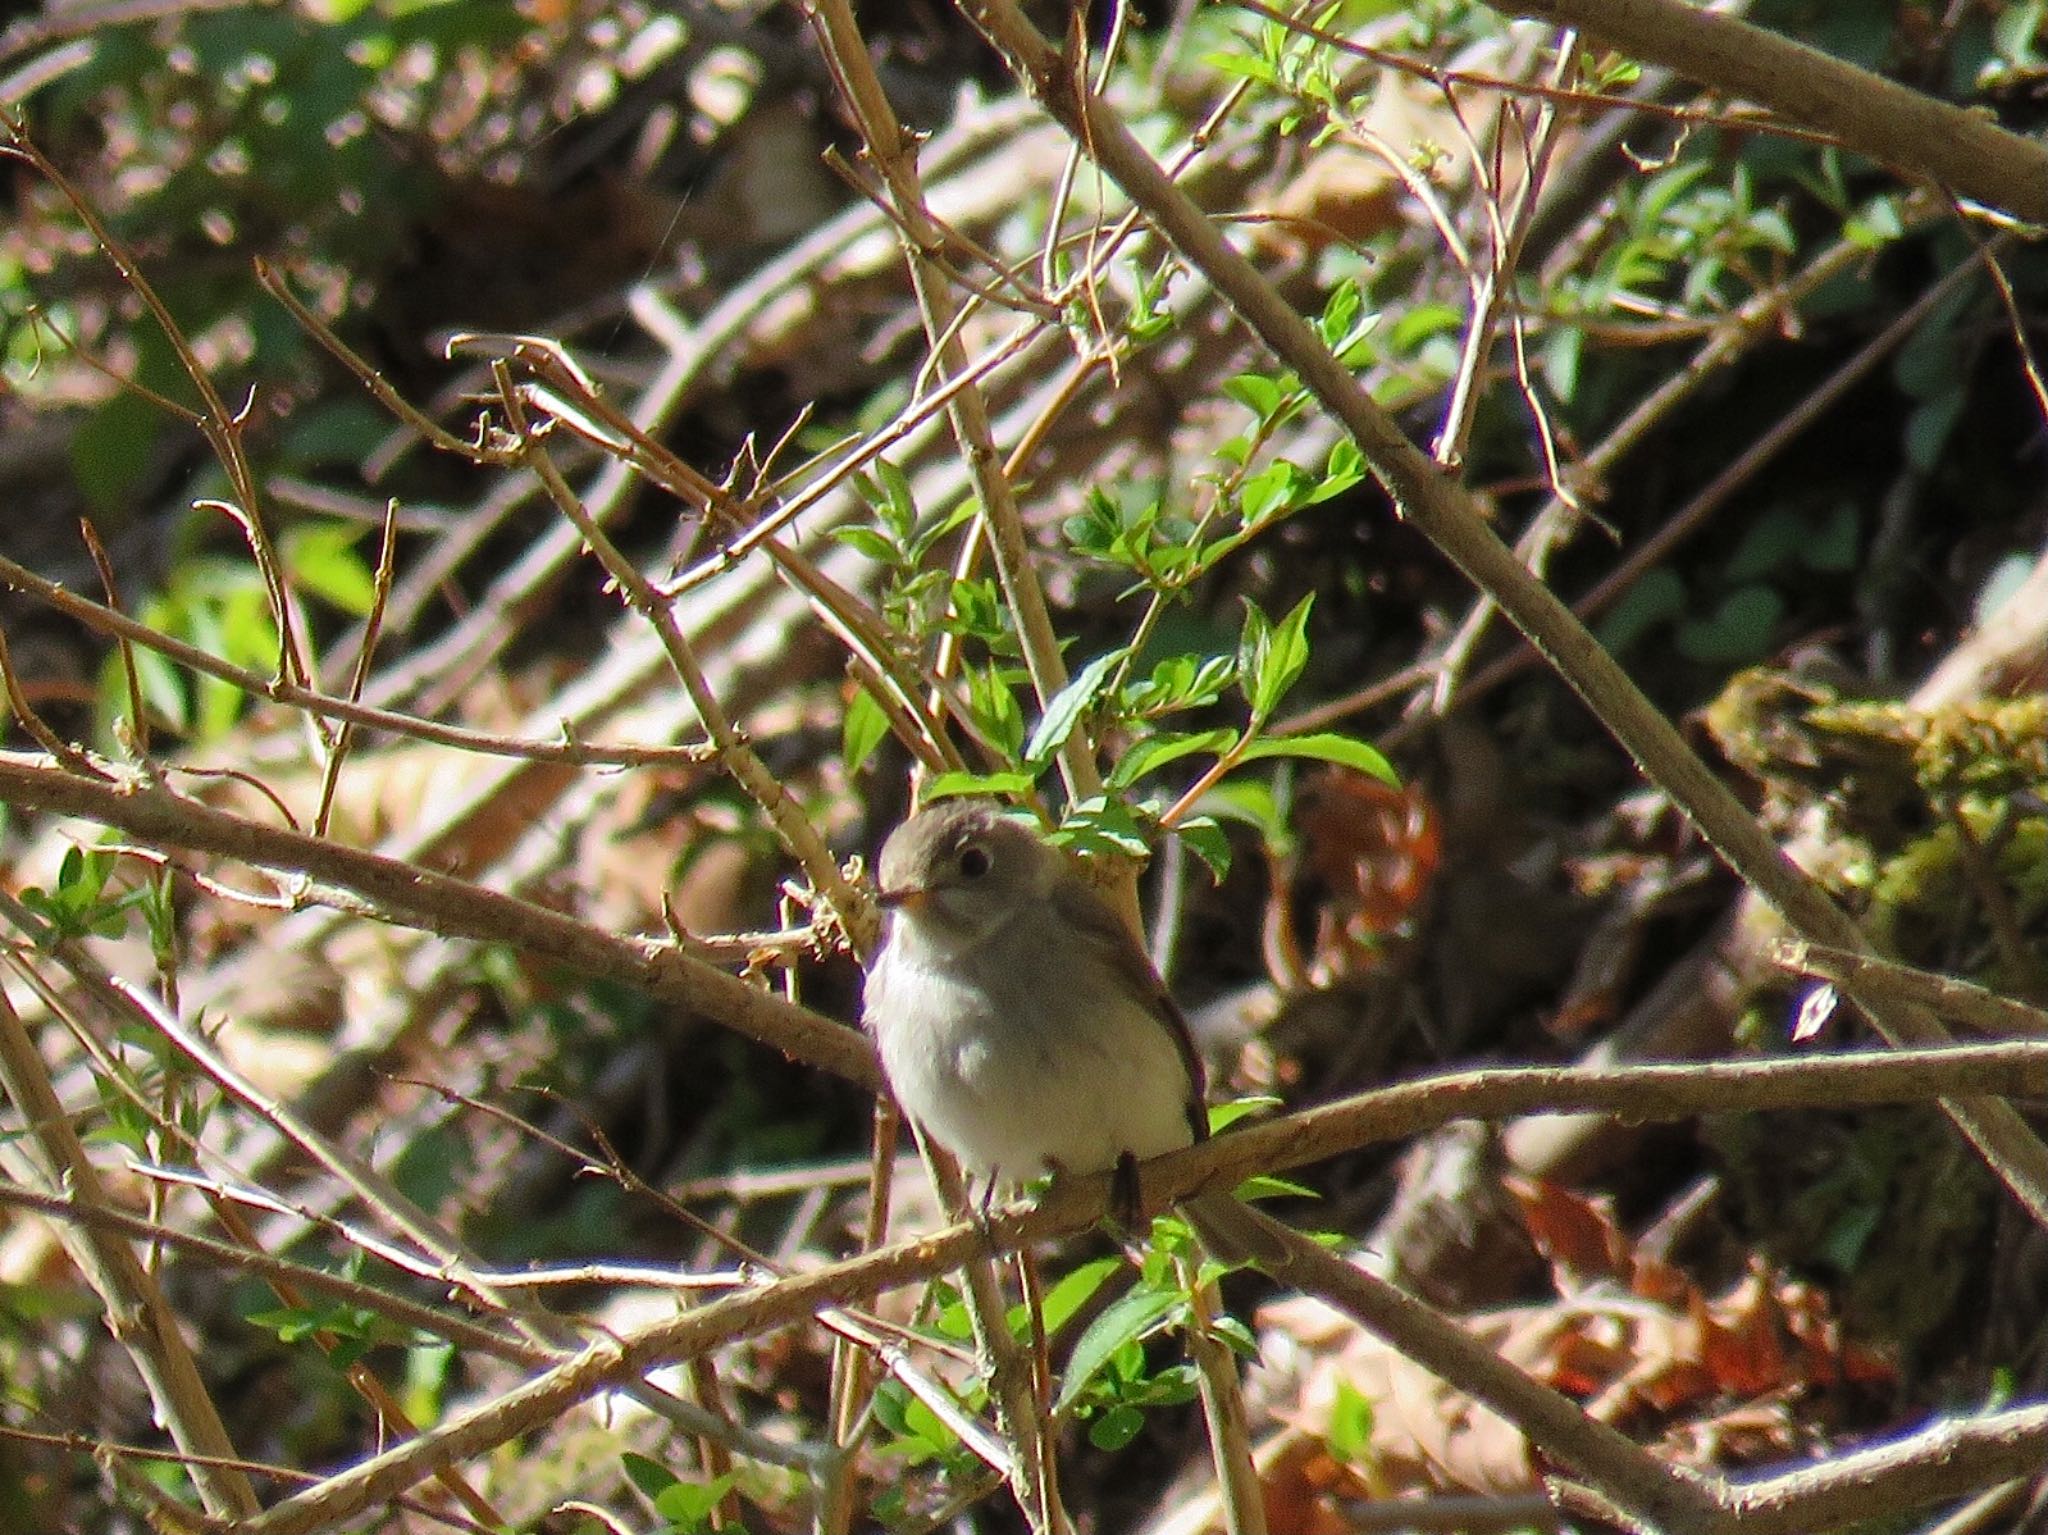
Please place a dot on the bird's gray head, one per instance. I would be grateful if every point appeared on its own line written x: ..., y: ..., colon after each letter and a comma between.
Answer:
x: 960, y: 869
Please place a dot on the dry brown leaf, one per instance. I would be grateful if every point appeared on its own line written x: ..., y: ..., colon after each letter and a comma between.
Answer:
x: 1576, y: 1234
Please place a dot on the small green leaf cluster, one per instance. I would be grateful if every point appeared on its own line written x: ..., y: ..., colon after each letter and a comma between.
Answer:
x: 1681, y: 244
x: 1252, y: 493
x: 900, y: 541
x: 1267, y: 661
x: 1290, y: 63
x: 685, y: 1507
x: 2015, y: 53
x: 1161, y: 701
x: 222, y: 606
x: 1732, y: 616
x: 84, y: 903
x: 1110, y: 1381
x: 349, y: 1331
x: 911, y: 1431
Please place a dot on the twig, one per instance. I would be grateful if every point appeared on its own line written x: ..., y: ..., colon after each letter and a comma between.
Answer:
x: 138, y: 713
x: 1763, y: 315
x: 394, y: 1308
x: 1872, y: 115
x: 137, y: 1313
x: 1223, y: 1408
x: 1662, y: 1497
x: 1966, y: 1003
x: 1945, y: 1460
x: 221, y: 427
x: 366, y: 654
x: 403, y: 891
x: 854, y: 909
x: 1071, y: 1205
x: 894, y: 156
x: 111, y: 621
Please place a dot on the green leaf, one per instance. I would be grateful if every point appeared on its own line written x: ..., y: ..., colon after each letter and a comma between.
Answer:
x: 1240, y: 1338
x: 1208, y: 842
x: 953, y: 785
x: 868, y: 541
x: 427, y: 1367
x: 1928, y: 429
x: 1325, y: 746
x: 110, y: 449
x: 1093, y: 530
x: 1251, y: 802
x: 163, y: 688
x: 1657, y: 598
x: 1125, y: 1321
x: 687, y: 1505
x: 899, y: 508
x: 1064, y: 712
x: 978, y: 611
x: 992, y: 702
x: 1266, y: 1186
x: 1075, y: 1290
x: 1274, y: 491
x: 1876, y: 224
x: 1241, y: 65
x: 1150, y: 753
x: 1271, y: 656
x: 1180, y: 682
x: 952, y: 1317
x: 861, y: 731
x: 1340, y: 309
x: 927, y: 1425
x: 323, y: 559
x: 1344, y: 468
x: 1423, y: 323
x: 922, y: 544
x: 650, y: 1477
x: 1223, y: 1115
x: 1100, y: 826
x: 1561, y: 353
x: 1116, y: 1428
x: 1257, y: 393
x: 1742, y: 629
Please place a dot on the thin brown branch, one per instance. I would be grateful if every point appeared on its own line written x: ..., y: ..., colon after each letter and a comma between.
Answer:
x: 1919, y: 135
x: 1948, y: 1459
x: 221, y: 426
x: 1968, y: 1004
x: 395, y: 890
x: 273, y: 1270
x: 894, y: 156
x: 1662, y: 1497
x: 366, y: 655
x: 853, y: 907
x: 106, y: 620
x: 136, y: 1310
x: 1075, y: 1203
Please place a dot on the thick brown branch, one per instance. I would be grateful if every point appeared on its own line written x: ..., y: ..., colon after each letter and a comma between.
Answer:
x: 1961, y: 150
x: 404, y: 892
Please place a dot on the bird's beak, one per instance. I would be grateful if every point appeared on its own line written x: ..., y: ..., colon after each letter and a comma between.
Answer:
x: 908, y: 898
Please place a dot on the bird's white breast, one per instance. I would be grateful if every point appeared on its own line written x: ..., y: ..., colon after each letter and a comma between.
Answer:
x: 1056, y: 1065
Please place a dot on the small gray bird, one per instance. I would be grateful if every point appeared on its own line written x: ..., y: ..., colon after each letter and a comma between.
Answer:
x: 1021, y: 1025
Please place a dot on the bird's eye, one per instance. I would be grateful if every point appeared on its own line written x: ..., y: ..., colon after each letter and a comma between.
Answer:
x: 973, y: 862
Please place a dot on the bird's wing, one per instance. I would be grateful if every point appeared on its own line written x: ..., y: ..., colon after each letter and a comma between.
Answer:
x: 1099, y: 926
